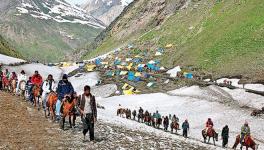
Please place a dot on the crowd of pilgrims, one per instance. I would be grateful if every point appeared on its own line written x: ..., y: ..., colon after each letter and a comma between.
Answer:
x: 64, y: 87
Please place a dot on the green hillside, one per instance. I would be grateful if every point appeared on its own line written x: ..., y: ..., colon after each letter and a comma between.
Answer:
x: 6, y: 49
x: 223, y: 38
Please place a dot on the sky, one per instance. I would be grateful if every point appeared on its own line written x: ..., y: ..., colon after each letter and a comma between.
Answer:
x: 76, y: 1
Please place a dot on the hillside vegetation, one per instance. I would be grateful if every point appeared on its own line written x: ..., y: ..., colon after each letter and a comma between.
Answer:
x: 6, y: 49
x: 219, y: 37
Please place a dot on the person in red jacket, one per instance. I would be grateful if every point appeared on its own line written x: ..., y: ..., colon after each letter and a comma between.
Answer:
x: 209, y: 123
x: 36, y: 79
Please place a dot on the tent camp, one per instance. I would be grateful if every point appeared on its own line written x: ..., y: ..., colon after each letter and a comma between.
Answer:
x: 174, y: 72
x: 131, y: 76
x: 90, y: 67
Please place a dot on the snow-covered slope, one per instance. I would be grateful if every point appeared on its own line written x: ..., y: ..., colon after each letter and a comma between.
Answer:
x: 6, y: 60
x: 57, y: 10
x: 106, y: 10
x: 186, y: 106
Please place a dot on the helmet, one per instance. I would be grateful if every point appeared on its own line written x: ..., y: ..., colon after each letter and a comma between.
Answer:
x: 246, y: 123
x: 209, y: 119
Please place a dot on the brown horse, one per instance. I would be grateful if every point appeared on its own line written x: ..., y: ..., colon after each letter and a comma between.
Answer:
x: 210, y: 133
x: 248, y: 143
x: 158, y: 122
x: 175, y: 125
x: 51, y: 103
x: 121, y: 112
x: 22, y: 88
x: 67, y: 109
x: 36, y: 95
x: 13, y: 86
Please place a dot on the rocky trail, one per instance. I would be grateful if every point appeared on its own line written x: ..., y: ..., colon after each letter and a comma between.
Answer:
x: 23, y: 127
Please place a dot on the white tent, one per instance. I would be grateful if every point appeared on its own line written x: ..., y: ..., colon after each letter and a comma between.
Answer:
x: 173, y: 72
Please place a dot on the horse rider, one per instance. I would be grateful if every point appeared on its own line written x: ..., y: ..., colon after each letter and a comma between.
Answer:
x: 209, y: 124
x: 64, y: 88
x: 245, y: 131
x: 88, y: 110
x: 175, y: 119
x: 1, y: 78
x: 140, y: 111
x: 36, y: 79
x: 185, y: 128
x: 21, y: 77
x: 47, y: 87
x: 157, y: 115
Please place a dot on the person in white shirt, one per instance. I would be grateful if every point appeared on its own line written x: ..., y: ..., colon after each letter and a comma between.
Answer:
x: 47, y: 87
x: 21, y: 77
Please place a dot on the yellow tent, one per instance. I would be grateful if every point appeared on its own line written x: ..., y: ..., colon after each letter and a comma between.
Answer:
x: 123, y: 73
x: 120, y: 67
x: 169, y: 46
x: 90, y: 67
x: 130, y: 66
x: 66, y: 64
x: 137, y: 74
x: 104, y: 63
x: 131, y: 91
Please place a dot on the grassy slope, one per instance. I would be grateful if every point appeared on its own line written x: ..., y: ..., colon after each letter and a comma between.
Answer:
x: 225, y: 38
x: 6, y: 49
x: 40, y: 40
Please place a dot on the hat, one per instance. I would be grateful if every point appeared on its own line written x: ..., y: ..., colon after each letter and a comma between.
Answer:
x: 65, y: 76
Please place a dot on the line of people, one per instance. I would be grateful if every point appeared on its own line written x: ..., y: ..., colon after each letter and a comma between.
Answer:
x: 156, y: 119
x: 85, y: 103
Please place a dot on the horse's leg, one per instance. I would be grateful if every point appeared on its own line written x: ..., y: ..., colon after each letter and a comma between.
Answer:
x: 209, y: 139
x: 70, y: 121
x: 214, y: 140
x: 38, y: 103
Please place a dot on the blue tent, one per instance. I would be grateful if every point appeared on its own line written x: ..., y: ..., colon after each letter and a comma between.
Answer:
x: 117, y: 62
x: 151, y: 66
x: 109, y: 73
x: 189, y: 76
x: 98, y: 62
x: 137, y: 79
x: 156, y: 68
x: 137, y: 60
x: 131, y: 76
x: 140, y: 68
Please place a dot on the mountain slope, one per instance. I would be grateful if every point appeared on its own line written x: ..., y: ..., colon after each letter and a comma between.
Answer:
x: 223, y: 38
x: 105, y: 10
x: 46, y: 30
x: 6, y: 49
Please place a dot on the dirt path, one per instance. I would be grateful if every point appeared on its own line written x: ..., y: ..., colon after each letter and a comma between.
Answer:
x: 23, y: 127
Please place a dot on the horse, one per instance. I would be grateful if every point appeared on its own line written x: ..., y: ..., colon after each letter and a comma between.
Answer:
x: 147, y: 118
x: 67, y: 109
x: 51, y: 103
x: 128, y: 114
x: 248, y: 143
x: 158, y: 122
x: 121, y: 112
x: 210, y: 132
x: 36, y: 95
x: 175, y: 125
x: 22, y: 88
x: 6, y: 83
x: 13, y: 85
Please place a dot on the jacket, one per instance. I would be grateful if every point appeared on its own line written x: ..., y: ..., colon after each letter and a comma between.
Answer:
x: 21, y: 77
x: 245, y: 130
x: 209, y: 123
x: 47, y: 88
x: 36, y: 80
x: 225, y: 132
x: 81, y: 104
x: 64, y: 88
x: 185, y: 125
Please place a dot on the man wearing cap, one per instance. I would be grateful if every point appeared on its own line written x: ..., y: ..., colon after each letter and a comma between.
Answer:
x: 64, y: 88
x: 245, y: 131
